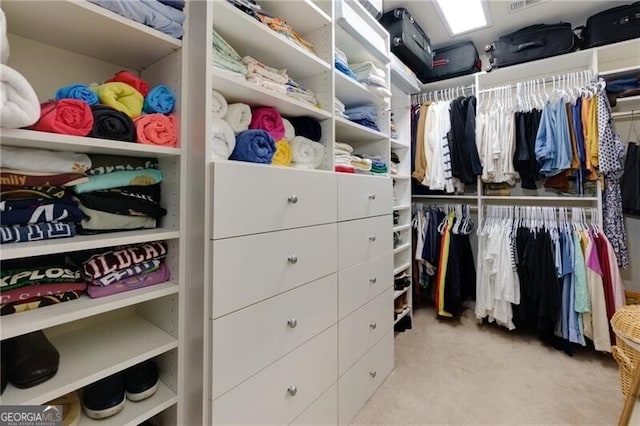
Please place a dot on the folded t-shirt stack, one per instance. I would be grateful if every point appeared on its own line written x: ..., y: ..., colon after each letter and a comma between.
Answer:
x: 378, y: 166
x: 363, y: 115
x: 35, y: 203
x: 122, y: 193
x: 38, y: 282
x: 165, y: 16
x: 115, y: 270
x: 373, y: 77
x: 339, y: 107
x: 342, y: 64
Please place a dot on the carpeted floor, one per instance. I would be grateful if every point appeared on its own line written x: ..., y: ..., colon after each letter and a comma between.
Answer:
x: 458, y: 372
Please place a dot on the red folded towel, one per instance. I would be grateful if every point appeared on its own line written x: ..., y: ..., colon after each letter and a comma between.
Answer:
x: 132, y: 80
x: 66, y: 116
x: 156, y: 129
x: 345, y: 168
x: 268, y: 119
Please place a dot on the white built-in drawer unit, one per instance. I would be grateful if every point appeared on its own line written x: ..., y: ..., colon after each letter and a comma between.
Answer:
x: 358, y: 332
x: 363, y: 239
x: 323, y: 411
x: 361, y: 283
x: 364, y: 196
x: 282, y: 391
x: 250, y: 339
x: 251, y: 198
x: 362, y: 380
x: 252, y: 268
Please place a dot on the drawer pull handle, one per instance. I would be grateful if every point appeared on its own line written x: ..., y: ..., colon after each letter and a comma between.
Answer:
x: 372, y: 196
x: 292, y: 323
x: 373, y: 325
x: 373, y: 373
x: 373, y: 280
x: 293, y: 390
x: 372, y: 238
x: 293, y: 259
x: 293, y: 199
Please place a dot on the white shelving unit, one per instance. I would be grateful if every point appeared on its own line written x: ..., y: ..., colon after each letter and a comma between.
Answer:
x: 99, y: 337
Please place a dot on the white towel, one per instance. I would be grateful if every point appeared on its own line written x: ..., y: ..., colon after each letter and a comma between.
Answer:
x: 238, y: 117
x: 4, y: 42
x: 43, y: 161
x: 306, y: 151
x: 289, y: 131
x: 343, y: 146
x: 19, y: 105
x: 219, y: 104
x: 223, y: 140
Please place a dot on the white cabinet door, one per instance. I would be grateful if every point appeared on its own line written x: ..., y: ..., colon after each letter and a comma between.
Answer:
x: 364, y: 196
x: 279, y: 393
x: 249, y: 199
x: 323, y: 411
x: 252, y: 268
x: 363, y: 239
x: 250, y: 339
x: 361, y: 283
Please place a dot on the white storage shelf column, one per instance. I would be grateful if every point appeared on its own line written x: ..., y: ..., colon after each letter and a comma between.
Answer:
x: 99, y: 337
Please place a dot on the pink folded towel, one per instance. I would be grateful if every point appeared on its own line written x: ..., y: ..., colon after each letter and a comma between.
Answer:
x: 269, y: 120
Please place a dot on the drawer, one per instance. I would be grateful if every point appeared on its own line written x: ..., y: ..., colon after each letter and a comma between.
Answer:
x: 282, y: 391
x: 324, y: 410
x: 364, y: 196
x: 361, y: 283
x: 361, y: 330
x: 250, y: 339
x: 362, y: 380
x: 364, y: 239
x: 252, y: 268
x: 249, y: 199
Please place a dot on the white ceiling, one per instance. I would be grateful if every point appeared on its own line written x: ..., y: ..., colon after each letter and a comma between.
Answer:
x: 502, y: 21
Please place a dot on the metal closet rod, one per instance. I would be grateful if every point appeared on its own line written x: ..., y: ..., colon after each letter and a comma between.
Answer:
x: 543, y: 80
x: 419, y: 98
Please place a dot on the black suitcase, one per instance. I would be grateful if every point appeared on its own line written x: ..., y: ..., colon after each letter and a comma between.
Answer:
x: 531, y: 43
x: 452, y: 61
x: 408, y: 42
x: 611, y: 25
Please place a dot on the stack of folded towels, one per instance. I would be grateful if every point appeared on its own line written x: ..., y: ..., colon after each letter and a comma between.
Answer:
x: 338, y: 107
x: 116, y: 270
x: 163, y: 15
x: 378, y: 166
x: 363, y: 115
x: 342, y: 153
x: 225, y: 59
x: 271, y: 79
x: 373, y: 77
x: 342, y: 64
x: 299, y: 92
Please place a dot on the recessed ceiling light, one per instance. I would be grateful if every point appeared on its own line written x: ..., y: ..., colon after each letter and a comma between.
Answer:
x: 463, y: 16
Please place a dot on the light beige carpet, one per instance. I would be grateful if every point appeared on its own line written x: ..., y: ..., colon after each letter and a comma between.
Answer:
x: 463, y: 373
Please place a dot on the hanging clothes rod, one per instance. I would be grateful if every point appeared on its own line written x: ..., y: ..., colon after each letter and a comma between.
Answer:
x: 448, y: 93
x: 557, y: 79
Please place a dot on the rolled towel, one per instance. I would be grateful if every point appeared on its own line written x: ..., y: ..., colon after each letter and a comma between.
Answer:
x: 66, y: 116
x: 224, y: 140
x: 254, y: 146
x: 219, y: 104
x: 132, y: 80
x: 307, y: 127
x: 122, y: 97
x: 160, y: 99
x: 77, y: 91
x: 19, y: 105
x: 282, y: 156
x: 306, y: 151
x: 269, y: 119
x: 156, y: 129
x: 289, y: 131
x: 238, y: 116
x: 4, y: 42
x: 109, y: 123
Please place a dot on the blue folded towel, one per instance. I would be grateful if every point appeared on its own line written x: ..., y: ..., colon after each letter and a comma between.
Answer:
x: 344, y: 68
x: 160, y: 99
x: 77, y: 91
x: 254, y: 146
x: 177, y: 4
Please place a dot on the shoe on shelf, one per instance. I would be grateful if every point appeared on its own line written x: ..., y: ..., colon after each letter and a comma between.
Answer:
x: 397, y: 305
x: 104, y: 398
x: 401, y: 281
x: 31, y: 359
x: 403, y: 325
x: 70, y: 408
x: 141, y: 380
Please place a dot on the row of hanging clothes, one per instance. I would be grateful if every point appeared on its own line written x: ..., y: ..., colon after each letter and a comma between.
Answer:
x: 631, y: 176
x: 446, y: 265
x: 444, y: 154
x: 550, y: 273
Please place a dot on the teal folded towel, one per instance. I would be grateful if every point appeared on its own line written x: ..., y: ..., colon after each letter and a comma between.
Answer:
x: 142, y: 177
x: 77, y: 91
x: 160, y: 99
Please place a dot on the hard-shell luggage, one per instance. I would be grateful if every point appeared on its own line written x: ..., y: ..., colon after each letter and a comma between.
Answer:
x: 408, y: 41
x: 611, y: 25
x: 531, y: 43
x: 452, y: 61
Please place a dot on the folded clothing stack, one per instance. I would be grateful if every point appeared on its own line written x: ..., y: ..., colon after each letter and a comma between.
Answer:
x: 342, y: 152
x: 378, y: 166
x: 393, y: 131
x: 339, y: 107
x: 373, y: 77
x: 270, y: 78
x: 342, y: 64
x: 168, y: 18
x: 225, y: 59
x: 115, y: 270
x: 363, y: 115
x: 250, y: 7
x: 281, y: 27
x: 395, y: 163
x: 299, y: 92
